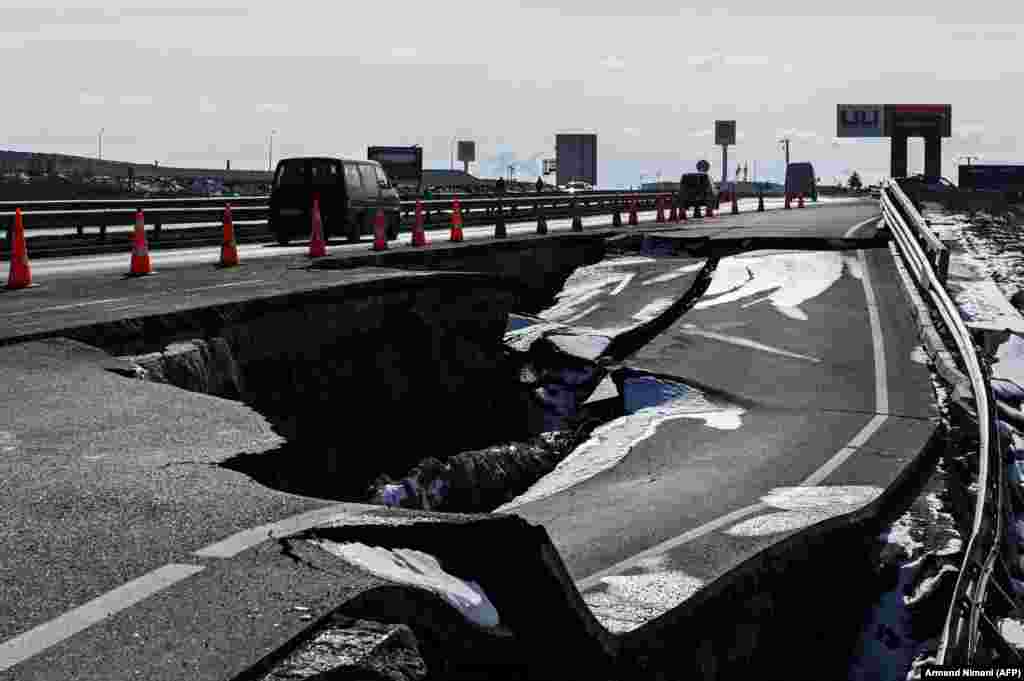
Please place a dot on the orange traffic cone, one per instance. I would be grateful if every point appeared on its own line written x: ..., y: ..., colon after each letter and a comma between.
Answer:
x: 682, y: 212
x: 228, y: 249
x: 140, y: 251
x: 787, y: 206
x: 21, y: 274
x: 673, y: 215
x: 799, y: 200
x: 380, y: 239
x: 735, y: 205
x: 660, y: 217
x: 419, y: 237
x: 456, y: 233
x: 317, y: 245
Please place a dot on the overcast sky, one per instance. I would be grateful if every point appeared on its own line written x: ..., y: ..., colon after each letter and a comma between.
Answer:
x: 196, y: 86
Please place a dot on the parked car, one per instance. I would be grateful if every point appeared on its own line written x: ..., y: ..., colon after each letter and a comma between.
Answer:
x: 578, y: 186
x: 696, y: 189
x: 350, y: 191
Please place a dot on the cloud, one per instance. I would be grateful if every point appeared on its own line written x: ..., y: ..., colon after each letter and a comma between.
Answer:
x: 634, y: 132
x: 206, y: 105
x: 273, y: 108
x: 613, y: 63
x: 706, y: 63
x: 748, y: 60
x: 706, y: 132
x: 184, y: 12
x: 403, y: 52
x: 968, y: 130
x: 135, y: 100
x: 89, y: 99
x: 984, y: 35
x: 787, y: 68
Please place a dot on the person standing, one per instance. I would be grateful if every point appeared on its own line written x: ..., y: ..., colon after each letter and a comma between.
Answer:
x: 540, y: 185
x: 499, y: 186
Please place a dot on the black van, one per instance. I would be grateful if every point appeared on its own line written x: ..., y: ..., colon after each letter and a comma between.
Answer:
x: 350, y: 193
x: 800, y: 180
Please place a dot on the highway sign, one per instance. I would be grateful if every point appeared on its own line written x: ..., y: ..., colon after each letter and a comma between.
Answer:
x: 919, y: 120
x: 703, y: 166
x: 725, y: 132
x: 860, y: 120
x: 467, y: 151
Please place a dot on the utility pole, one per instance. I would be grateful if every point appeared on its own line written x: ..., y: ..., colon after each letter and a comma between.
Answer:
x: 99, y: 152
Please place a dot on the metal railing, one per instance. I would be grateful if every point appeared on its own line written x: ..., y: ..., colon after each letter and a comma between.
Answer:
x: 101, y: 214
x: 927, y: 261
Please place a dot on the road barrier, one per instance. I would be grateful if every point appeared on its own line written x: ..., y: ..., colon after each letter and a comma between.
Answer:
x: 966, y: 621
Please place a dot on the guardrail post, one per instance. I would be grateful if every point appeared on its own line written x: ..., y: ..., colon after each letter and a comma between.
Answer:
x: 157, y: 225
x: 499, y: 225
x: 542, y: 223
x: 79, y: 229
x: 104, y: 219
x: 616, y: 212
x: 577, y: 221
x: 942, y: 266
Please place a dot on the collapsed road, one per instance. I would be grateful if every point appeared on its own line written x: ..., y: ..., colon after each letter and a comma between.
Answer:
x: 178, y: 529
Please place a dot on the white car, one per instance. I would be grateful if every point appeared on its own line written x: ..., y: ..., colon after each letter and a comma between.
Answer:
x: 573, y: 187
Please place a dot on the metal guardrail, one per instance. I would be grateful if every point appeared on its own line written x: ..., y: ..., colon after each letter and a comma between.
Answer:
x: 53, y: 215
x: 926, y: 258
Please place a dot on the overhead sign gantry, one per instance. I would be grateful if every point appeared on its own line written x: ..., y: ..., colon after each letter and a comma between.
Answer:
x: 899, y: 122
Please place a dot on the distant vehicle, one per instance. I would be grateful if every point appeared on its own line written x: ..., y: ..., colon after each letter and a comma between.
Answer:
x: 351, y: 191
x: 800, y: 179
x: 578, y: 186
x: 696, y: 189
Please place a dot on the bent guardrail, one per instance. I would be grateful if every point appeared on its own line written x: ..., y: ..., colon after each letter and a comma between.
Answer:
x: 927, y: 261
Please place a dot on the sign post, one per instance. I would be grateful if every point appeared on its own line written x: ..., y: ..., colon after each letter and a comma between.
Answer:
x: 899, y: 122
x: 725, y: 134
x: 467, y: 154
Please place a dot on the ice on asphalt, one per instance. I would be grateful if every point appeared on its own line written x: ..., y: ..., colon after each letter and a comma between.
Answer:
x: 652, y: 402
x: 803, y: 506
x: 421, y: 570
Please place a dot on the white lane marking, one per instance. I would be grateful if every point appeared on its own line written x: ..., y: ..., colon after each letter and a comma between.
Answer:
x: 626, y: 278
x: 34, y: 641
x: 849, y: 233
x: 746, y: 342
x: 240, y: 541
x: 233, y: 283
x: 63, y: 307
x: 697, y: 532
x: 815, y: 478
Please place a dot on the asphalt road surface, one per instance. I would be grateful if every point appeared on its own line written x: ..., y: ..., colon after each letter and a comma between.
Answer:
x: 804, y: 374
x: 112, y: 567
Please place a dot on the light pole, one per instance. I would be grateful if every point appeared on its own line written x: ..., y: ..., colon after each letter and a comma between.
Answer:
x: 270, y: 151
x: 99, y: 144
x: 785, y: 145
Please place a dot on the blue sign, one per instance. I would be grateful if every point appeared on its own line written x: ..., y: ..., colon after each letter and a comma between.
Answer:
x: 860, y: 120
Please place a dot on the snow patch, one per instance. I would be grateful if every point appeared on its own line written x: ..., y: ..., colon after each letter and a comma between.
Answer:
x: 786, y: 279
x: 627, y: 602
x: 421, y: 570
x: 919, y: 355
x: 674, y: 274
x: 653, y: 309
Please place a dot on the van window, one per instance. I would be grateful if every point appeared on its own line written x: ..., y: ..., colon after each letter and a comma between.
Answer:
x: 369, y: 178
x: 352, y: 177
x: 291, y: 172
x: 324, y: 172
x: 382, y: 176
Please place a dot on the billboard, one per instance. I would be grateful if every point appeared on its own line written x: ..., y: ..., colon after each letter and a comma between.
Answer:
x: 404, y: 165
x: 576, y: 158
x: 467, y: 151
x: 919, y: 120
x: 860, y: 120
x: 992, y: 177
x: 725, y: 132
